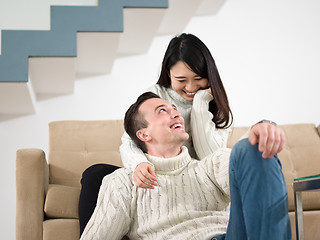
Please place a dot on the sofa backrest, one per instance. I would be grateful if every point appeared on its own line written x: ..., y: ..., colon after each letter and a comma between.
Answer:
x: 76, y: 145
x: 299, y: 158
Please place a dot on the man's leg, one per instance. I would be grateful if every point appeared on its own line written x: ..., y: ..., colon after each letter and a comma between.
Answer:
x: 90, y: 186
x: 259, y: 201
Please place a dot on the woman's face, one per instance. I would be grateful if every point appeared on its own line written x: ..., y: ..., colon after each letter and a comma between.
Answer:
x: 185, y: 82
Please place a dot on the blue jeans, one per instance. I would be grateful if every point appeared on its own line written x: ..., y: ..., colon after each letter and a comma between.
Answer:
x: 259, y: 201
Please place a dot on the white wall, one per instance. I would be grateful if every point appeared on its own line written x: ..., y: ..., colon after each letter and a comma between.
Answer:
x: 267, y: 53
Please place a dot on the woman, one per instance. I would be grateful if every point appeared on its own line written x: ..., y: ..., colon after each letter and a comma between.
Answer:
x: 187, y: 67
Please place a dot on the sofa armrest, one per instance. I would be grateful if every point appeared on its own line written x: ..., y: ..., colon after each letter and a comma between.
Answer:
x: 32, y: 178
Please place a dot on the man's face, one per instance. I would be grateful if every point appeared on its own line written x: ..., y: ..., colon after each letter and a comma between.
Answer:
x: 165, y: 123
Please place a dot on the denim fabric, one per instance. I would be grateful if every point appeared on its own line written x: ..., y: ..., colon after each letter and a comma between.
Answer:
x: 259, y: 201
x: 220, y: 237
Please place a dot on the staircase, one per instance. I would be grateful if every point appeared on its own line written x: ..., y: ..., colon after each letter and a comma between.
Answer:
x: 83, y: 40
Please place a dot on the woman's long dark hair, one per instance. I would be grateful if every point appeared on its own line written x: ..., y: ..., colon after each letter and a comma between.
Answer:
x: 192, y: 51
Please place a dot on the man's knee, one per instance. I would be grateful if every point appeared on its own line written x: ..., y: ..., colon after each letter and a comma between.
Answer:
x: 243, y: 149
x: 244, y: 155
x: 244, y: 152
x: 245, y: 145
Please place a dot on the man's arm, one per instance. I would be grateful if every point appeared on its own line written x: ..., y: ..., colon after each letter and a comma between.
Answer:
x: 111, y: 217
x: 216, y: 165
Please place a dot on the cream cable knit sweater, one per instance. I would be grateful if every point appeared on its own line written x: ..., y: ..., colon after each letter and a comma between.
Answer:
x: 204, y: 137
x: 191, y: 201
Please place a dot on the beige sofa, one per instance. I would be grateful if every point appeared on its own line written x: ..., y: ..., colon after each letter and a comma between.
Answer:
x: 48, y: 191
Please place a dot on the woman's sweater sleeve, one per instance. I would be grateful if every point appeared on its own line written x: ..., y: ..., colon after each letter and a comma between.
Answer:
x: 206, y: 137
x: 131, y: 154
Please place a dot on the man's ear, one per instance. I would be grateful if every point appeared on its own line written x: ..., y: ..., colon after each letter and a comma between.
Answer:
x: 143, y: 135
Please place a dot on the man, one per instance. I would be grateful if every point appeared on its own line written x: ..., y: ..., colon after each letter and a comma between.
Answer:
x: 192, y: 198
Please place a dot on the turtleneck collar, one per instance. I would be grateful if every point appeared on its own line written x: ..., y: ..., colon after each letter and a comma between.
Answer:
x: 170, y: 165
x: 176, y: 96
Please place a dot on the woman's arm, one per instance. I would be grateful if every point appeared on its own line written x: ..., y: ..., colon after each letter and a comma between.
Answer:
x: 206, y: 137
x: 131, y: 155
x: 134, y: 159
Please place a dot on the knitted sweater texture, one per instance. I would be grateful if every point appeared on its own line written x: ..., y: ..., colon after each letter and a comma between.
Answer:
x: 204, y: 137
x: 191, y: 201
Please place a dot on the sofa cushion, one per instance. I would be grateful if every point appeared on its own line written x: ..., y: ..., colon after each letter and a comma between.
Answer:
x: 62, y: 201
x: 76, y: 145
x: 300, y: 158
x: 311, y: 221
x: 62, y: 229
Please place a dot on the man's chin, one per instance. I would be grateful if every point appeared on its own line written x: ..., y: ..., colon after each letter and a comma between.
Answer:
x: 186, y: 136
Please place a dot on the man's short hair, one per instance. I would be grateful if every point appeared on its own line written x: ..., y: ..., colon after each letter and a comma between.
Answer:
x: 134, y: 121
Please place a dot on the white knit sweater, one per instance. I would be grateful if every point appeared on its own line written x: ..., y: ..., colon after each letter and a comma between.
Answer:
x: 191, y: 201
x: 204, y: 137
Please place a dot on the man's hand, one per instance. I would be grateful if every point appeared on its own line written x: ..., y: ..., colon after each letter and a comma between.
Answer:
x: 271, y: 138
x: 144, y: 176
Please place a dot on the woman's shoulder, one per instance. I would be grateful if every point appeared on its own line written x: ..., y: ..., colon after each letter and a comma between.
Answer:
x: 161, y: 91
x: 170, y: 95
x: 157, y: 89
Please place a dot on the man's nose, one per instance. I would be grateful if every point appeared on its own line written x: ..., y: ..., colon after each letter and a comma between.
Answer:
x: 175, y: 114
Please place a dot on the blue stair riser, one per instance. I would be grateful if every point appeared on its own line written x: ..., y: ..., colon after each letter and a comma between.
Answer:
x: 61, y: 39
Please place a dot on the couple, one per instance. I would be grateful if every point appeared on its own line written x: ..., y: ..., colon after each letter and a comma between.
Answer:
x: 193, y: 197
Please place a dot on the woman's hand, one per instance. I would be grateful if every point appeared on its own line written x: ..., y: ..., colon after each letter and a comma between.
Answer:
x: 208, y: 90
x: 144, y: 176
